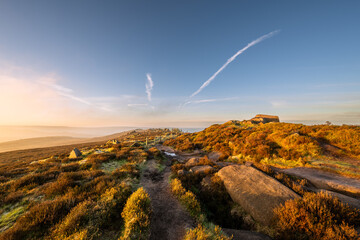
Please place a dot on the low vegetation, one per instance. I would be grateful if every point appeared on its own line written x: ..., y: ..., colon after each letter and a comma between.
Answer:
x: 55, y: 197
x: 280, y: 144
x: 98, y: 195
x: 317, y: 216
x: 187, y: 198
x: 203, y: 233
x: 136, y: 215
x: 205, y: 230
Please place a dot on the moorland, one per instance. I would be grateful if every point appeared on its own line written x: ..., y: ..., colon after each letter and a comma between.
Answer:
x: 237, y: 180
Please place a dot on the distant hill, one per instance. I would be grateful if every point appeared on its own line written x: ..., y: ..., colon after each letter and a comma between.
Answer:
x: 42, y: 142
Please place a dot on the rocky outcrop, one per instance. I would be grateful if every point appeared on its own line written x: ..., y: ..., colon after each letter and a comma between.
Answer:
x: 192, y: 162
x: 202, y: 169
x: 326, y: 180
x: 214, y: 156
x: 75, y: 153
x: 262, y: 118
x: 255, y: 191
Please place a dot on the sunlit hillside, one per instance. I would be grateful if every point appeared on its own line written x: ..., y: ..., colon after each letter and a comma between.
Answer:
x: 330, y: 147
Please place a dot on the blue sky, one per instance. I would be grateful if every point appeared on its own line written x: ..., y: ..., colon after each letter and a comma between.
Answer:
x: 85, y: 63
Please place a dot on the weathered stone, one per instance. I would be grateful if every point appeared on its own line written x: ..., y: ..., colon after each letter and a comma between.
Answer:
x: 255, y: 191
x: 326, y: 180
x: 249, y: 164
x: 75, y: 153
x: 202, y: 169
x: 262, y: 118
x: 224, y: 164
x: 214, y: 156
x: 206, y: 182
x: 245, y: 235
x: 192, y: 162
x: 181, y: 172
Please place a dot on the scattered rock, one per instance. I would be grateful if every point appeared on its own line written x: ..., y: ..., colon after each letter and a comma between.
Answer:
x: 165, y: 148
x: 192, y: 162
x: 326, y: 180
x: 181, y: 172
x: 245, y: 235
x: 224, y: 164
x: 255, y: 191
x: 206, y: 182
x: 249, y: 164
x: 75, y: 153
x: 214, y: 156
x: 202, y: 169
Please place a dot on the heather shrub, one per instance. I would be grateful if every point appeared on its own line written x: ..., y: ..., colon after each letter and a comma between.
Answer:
x: 136, y: 215
x: 71, y: 167
x: 187, y: 198
x: 203, y: 233
x: 90, y: 217
x: 13, y: 197
x: 154, y: 153
x: 317, y: 216
x: 98, y: 186
x: 97, y: 159
x: 218, y: 204
x: 127, y: 170
x: 137, y: 155
x: 39, y: 218
x: 272, y: 141
x: 36, y: 179
x: 76, y: 219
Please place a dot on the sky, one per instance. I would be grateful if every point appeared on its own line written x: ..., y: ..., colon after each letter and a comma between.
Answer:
x: 178, y: 63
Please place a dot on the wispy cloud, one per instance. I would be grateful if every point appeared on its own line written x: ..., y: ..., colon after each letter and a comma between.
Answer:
x: 63, y: 91
x: 137, y: 104
x: 256, y: 41
x: 149, y: 85
x: 210, y: 100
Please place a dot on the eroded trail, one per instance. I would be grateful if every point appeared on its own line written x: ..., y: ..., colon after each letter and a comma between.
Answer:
x: 169, y: 220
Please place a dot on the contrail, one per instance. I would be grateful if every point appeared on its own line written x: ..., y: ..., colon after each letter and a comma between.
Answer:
x: 232, y: 59
x: 149, y: 85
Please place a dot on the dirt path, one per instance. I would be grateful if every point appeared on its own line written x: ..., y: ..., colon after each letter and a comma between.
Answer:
x: 169, y: 219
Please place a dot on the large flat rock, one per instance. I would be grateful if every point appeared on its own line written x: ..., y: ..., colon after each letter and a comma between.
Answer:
x: 245, y: 235
x: 255, y: 191
x: 326, y: 180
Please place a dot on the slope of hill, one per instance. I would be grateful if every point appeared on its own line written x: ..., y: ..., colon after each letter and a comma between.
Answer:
x: 334, y: 148
x: 43, y: 142
x: 122, y: 190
